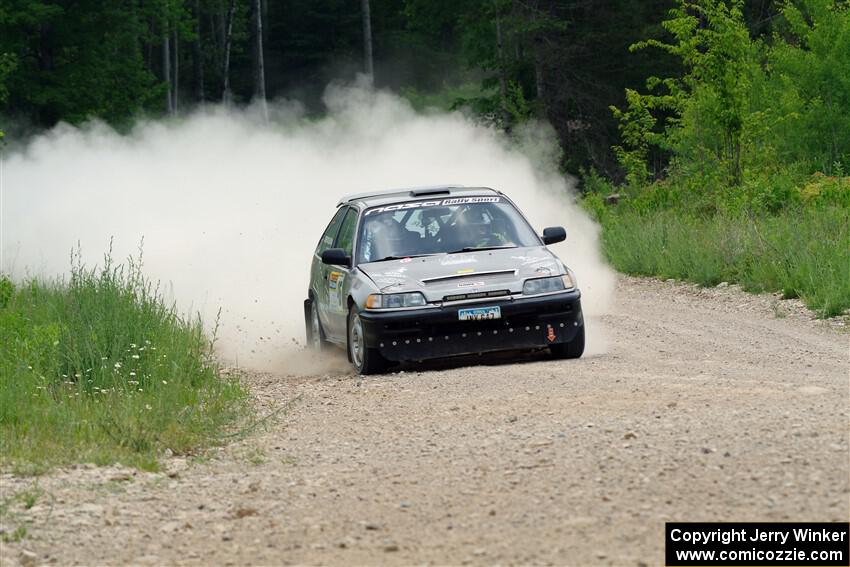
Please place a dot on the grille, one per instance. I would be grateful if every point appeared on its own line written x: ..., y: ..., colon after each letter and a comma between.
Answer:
x: 477, y: 295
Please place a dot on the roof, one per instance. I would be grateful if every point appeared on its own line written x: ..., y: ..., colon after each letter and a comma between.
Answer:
x: 376, y: 198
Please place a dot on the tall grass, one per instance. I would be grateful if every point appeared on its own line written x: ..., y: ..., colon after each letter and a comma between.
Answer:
x: 802, y: 252
x: 100, y: 368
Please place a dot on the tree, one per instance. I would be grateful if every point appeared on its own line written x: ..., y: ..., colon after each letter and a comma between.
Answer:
x: 227, y: 95
x: 369, y: 64
x: 166, y: 69
x: 197, y: 53
x: 807, y: 94
x: 7, y: 65
x: 259, y: 64
x: 705, y: 111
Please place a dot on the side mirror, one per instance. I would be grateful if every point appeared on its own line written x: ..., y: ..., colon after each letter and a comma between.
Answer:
x: 554, y: 234
x: 336, y: 257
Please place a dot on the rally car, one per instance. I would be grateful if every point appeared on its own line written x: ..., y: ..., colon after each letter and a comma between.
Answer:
x: 416, y: 274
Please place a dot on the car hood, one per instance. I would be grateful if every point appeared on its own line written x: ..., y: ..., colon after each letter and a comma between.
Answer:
x: 444, y: 275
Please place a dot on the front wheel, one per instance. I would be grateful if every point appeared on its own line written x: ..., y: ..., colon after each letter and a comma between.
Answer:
x: 572, y: 349
x: 365, y: 360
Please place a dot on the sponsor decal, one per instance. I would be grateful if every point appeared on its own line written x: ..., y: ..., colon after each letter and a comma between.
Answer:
x: 470, y: 284
x: 465, y: 200
x: 455, y: 260
x: 335, y: 297
x: 550, y: 334
x: 334, y: 279
x: 406, y: 260
x: 528, y: 260
x: 466, y: 271
x: 423, y: 204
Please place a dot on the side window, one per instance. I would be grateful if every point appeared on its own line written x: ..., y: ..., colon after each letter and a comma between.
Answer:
x: 345, y: 239
x: 327, y: 240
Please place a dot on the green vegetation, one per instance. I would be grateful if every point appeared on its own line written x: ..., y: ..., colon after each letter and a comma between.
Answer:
x: 735, y: 168
x: 802, y: 253
x: 11, y: 508
x: 100, y: 369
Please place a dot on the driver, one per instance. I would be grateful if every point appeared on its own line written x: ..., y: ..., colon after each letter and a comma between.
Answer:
x: 480, y: 234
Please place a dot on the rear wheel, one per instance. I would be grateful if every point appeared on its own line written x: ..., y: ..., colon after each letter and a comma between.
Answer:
x: 365, y: 360
x: 572, y: 349
x: 315, y: 335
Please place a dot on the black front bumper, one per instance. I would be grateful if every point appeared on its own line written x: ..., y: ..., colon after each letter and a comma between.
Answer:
x: 526, y: 323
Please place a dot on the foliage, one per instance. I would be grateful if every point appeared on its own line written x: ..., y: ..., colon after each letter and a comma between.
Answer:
x: 74, y: 60
x: 561, y: 60
x: 802, y: 252
x: 807, y: 96
x: 7, y: 65
x: 707, y: 108
x: 743, y: 105
x: 100, y: 369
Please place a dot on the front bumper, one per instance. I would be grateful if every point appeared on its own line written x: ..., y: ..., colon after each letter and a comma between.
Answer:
x: 526, y: 323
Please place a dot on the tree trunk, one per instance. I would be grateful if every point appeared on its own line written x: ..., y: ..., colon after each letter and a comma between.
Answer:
x: 367, y: 42
x: 538, y: 73
x: 198, y: 56
x: 175, y: 98
x: 166, y: 70
x: 503, y: 77
x: 259, y: 63
x: 226, y: 95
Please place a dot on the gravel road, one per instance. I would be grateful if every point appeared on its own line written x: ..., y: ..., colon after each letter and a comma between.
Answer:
x: 710, y: 404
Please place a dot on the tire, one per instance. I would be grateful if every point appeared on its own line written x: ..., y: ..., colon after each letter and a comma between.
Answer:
x: 572, y: 349
x: 365, y: 360
x: 315, y: 335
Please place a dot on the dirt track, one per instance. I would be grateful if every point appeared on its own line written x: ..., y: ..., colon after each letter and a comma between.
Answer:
x: 709, y: 405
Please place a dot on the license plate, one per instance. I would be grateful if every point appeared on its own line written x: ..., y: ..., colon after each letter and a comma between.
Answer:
x: 479, y: 313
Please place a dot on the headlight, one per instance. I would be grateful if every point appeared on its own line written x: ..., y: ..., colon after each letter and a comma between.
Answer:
x: 547, y: 285
x: 395, y: 300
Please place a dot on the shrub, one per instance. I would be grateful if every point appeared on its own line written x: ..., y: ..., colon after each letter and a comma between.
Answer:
x: 100, y: 368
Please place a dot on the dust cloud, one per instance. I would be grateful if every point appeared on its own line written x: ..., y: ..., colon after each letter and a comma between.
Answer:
x: 231, y: 208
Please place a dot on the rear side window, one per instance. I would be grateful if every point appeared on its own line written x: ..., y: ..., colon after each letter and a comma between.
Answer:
x: 327, y: 240
x: 345, y: 239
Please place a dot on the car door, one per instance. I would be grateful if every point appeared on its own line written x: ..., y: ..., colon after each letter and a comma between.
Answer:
x: 338, y: 279
x: 319, y: 271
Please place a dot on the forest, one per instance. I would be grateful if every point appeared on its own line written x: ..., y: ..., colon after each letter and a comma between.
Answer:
x: 716, y: 125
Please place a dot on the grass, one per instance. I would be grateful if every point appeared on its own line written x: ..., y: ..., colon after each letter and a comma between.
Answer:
x: 11, y: 508
x: 99, y: 368
x: 802, y: 252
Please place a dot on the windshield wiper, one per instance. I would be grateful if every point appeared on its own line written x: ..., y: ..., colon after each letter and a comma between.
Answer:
x: 480, y: 248
x: 388, y: 258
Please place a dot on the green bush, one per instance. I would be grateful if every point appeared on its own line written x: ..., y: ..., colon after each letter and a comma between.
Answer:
x: 100, y: 369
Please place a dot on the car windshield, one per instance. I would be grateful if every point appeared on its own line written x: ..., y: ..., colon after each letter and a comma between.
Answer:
x: 442, y: 226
